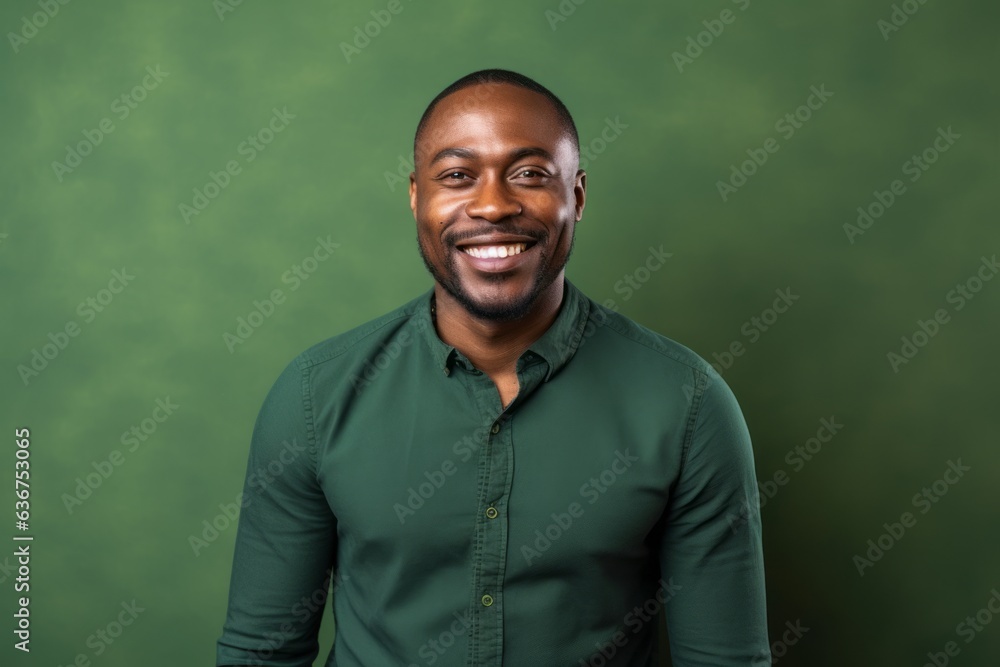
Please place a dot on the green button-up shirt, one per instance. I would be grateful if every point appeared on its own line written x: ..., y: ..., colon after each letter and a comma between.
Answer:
x: 619, y: 482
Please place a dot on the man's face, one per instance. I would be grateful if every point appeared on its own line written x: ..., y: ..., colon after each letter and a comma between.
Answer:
x: 496, y: 194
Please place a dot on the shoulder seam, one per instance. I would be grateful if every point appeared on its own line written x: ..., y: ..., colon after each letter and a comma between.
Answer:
x: 307, y: 360
x: 661, y: 352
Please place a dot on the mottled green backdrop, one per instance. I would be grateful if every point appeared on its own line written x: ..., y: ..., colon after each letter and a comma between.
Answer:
x: 167, y: 165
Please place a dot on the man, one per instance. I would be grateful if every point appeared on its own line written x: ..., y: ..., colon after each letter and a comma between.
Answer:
x: 502, y: 471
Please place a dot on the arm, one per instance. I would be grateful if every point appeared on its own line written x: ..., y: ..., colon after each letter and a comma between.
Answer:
x: 286, y: 541
x: 712, y: 543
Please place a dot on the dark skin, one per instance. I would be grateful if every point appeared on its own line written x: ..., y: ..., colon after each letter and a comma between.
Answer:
x: 496, y: 168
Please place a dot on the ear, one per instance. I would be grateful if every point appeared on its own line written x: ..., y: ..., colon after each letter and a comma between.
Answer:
x: 580, y: 192
x: 413, y: 193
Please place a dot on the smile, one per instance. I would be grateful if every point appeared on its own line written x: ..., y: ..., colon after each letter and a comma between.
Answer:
x: 494, y: 251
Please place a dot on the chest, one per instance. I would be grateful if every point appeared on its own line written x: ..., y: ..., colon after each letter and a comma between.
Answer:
x: 591, y: 475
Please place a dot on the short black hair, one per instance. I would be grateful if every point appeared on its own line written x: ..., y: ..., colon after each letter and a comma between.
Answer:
x: 485, y: 76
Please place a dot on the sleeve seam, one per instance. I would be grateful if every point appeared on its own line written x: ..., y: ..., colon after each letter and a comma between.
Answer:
x: 700, y: 384
x: 307, y: 409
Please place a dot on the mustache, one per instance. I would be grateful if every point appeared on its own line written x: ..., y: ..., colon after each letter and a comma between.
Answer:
x: 453, y: 238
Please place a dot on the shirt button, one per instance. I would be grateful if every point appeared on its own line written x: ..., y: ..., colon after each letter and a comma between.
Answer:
x: 487, y: 600
x: 447, y: 371
x: 491, y: 512
x: 496, y: 428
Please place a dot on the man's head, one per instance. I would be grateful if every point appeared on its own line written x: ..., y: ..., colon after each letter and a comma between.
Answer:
x: 496, y: 191
x: 488, y: 76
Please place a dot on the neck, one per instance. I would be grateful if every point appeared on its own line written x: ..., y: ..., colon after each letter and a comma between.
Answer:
x: 492, y: 346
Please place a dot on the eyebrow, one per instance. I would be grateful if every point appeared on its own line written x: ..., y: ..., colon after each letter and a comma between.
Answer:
x: 516, y: 154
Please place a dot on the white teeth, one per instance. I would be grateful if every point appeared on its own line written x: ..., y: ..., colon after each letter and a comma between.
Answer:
x: 495, y: 251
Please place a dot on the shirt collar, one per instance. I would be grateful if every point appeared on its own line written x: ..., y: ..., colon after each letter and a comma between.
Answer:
x: 556, y: 346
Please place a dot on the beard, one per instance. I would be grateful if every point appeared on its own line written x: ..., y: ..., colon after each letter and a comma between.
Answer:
x: 494, y: 310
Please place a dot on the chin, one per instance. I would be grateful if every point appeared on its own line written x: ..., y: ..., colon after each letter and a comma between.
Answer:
x: 503, y: 307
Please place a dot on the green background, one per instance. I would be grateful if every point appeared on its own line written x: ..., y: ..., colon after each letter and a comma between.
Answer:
x: 324, y: 176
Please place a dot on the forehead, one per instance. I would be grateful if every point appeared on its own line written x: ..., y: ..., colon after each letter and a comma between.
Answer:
x: 494, y: 116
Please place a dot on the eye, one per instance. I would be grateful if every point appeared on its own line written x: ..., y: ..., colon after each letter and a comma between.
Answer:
x: 453, y: 178
x: 530, y: 176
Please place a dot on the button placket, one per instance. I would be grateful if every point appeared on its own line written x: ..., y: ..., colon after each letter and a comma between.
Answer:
x: 497, y: 469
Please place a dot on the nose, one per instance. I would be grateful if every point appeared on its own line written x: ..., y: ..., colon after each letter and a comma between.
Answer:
x: 493, y: 200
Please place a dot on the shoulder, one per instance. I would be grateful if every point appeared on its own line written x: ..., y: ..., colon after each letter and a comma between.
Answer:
x: 652, y: 364
x: 337, y: 357
x: 642, y: 346
x: 363, y: 339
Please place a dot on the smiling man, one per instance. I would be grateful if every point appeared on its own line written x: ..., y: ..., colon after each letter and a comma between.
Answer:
x: 502, y: 471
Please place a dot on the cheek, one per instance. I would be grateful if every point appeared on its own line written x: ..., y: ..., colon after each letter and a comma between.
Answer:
x: 553, y: 210
x: 429, y: 235
x: 436, y: 210
x: 551, y: 204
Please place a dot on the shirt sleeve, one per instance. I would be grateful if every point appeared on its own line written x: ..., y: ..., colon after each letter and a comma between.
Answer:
x: 711, y: 549
x: 286, y: 540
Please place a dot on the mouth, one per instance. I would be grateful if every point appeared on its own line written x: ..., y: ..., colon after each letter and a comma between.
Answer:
x: 490, y: 251
x: 494, y: 256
